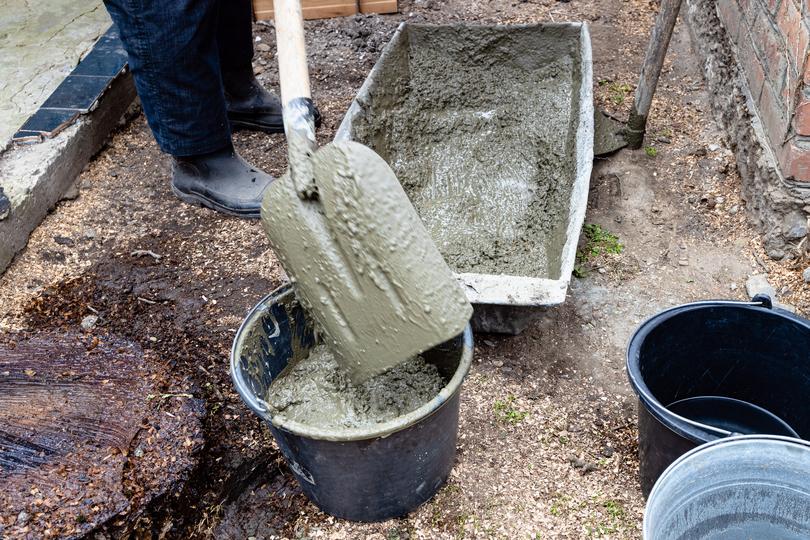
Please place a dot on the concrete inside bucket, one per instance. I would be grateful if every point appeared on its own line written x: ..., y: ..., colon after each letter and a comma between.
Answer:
x: 480, y: 125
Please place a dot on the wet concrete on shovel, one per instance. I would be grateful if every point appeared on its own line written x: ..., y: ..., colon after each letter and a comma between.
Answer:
x: 547, y: 439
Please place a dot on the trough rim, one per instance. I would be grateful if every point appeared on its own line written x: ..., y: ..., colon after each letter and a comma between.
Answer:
x: 503, y: 289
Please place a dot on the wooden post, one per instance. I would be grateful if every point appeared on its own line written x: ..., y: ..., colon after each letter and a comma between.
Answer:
x: 651, y: 70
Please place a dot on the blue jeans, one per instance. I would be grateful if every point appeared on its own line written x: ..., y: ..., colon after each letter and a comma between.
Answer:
x: 179, y: 51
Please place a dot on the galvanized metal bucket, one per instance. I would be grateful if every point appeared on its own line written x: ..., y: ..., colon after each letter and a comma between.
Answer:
x: 751, y: 486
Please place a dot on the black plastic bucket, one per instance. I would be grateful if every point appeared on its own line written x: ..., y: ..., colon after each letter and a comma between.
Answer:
x: 746, y: 351
x: 361, y: 475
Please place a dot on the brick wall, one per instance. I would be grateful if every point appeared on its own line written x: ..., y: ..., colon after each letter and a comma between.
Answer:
x: 771, y: 40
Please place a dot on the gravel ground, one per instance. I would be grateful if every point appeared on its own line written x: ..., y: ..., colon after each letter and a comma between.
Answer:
x: 547, y: 444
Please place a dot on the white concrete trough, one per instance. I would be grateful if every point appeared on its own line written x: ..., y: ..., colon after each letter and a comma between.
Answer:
x: 490, y: 131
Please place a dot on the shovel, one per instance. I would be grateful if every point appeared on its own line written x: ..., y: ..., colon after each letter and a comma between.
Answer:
x: 362, y: 263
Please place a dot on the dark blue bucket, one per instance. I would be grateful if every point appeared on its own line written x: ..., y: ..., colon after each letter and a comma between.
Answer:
x: 357, y: 474
x: 748, y: 351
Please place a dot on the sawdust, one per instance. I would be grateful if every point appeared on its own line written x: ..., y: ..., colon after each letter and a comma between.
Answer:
x: 564, y: 469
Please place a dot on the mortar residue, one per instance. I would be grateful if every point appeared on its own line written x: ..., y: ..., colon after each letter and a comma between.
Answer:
x: 317, y: 393
x: 479, y: 124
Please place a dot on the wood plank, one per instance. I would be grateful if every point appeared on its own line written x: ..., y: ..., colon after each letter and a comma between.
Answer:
x: 312, y: 9
x: 378, y: 6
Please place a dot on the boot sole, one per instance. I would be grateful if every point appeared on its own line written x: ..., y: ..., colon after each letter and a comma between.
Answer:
x: 198, y: 199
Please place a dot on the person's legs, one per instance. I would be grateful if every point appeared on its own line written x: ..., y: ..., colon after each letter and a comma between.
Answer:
x: 174, y: 59
x: 249, y: 104
x: 235, y: 38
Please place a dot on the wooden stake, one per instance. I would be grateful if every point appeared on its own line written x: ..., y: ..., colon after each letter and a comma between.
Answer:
x: 651, y: 70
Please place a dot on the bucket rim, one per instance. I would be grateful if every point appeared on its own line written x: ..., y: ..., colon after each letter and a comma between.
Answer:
x: 299, y: 429
x: 684, y: 427
x: 799, y: 444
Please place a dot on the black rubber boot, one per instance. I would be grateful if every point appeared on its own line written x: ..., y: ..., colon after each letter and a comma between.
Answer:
x: 222, y: 181
x: 251, y: 106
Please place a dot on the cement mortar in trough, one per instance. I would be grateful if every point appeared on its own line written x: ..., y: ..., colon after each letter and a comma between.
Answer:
x: 490, y: 131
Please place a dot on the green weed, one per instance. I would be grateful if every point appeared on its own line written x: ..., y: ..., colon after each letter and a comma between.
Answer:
x: 618, y: 92
x: 506, y: 412
x: 651, y: 151
x: 598, y: 241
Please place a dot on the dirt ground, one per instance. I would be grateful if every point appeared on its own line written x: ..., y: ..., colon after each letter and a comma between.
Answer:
x: 547, y: 445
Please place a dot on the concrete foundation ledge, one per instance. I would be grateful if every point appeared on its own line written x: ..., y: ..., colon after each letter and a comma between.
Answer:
x: 33, y: 178
x: 779, y: 207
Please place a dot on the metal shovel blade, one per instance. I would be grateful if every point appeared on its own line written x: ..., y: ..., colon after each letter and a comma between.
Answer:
x: 362, y: 262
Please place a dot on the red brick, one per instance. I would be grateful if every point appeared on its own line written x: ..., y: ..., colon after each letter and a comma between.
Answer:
x: 770, y: 46
x: 794, y: 31
x: 751, y: 66
x: 795, y: 161
x: 801, y: 120
x: 773, y: 116
x: 731, y: 17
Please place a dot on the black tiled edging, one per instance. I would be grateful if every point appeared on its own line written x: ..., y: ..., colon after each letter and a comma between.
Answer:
x: 80, y: 90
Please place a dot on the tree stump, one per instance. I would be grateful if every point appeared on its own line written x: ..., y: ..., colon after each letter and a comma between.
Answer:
x: 92, y: 432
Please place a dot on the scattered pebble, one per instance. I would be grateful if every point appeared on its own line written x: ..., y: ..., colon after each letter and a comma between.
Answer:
x: 89, y: 322
x: 22, y: 518
x: 263, y: 47
x: 714, y: 147
x: 806, y: 275
x: 64, y: 241
x: 758, y: 284
x: 733, y: 286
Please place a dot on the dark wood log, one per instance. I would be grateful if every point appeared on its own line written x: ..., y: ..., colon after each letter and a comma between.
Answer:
x: 651, y: 70
x: 91, y: 432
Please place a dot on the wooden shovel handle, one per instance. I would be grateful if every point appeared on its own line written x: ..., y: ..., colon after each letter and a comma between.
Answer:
x: 292, y: 55
x: 299, y: 120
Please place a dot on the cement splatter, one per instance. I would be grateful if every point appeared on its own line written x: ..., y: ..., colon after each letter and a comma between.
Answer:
x: 317, y: 393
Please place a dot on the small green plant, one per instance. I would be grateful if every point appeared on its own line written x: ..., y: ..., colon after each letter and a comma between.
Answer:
x: 618, y: 92
x: 614, y: 509
x: 506, y: 412
x: 651, y: 151
x: 81, y: 518
x: 598, y: 241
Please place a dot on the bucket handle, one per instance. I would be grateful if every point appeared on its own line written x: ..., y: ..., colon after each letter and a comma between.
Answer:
x: 719, y: 432
x: 759, y: 300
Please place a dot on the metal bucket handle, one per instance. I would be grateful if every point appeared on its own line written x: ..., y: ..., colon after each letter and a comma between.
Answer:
x: 760, y: 300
